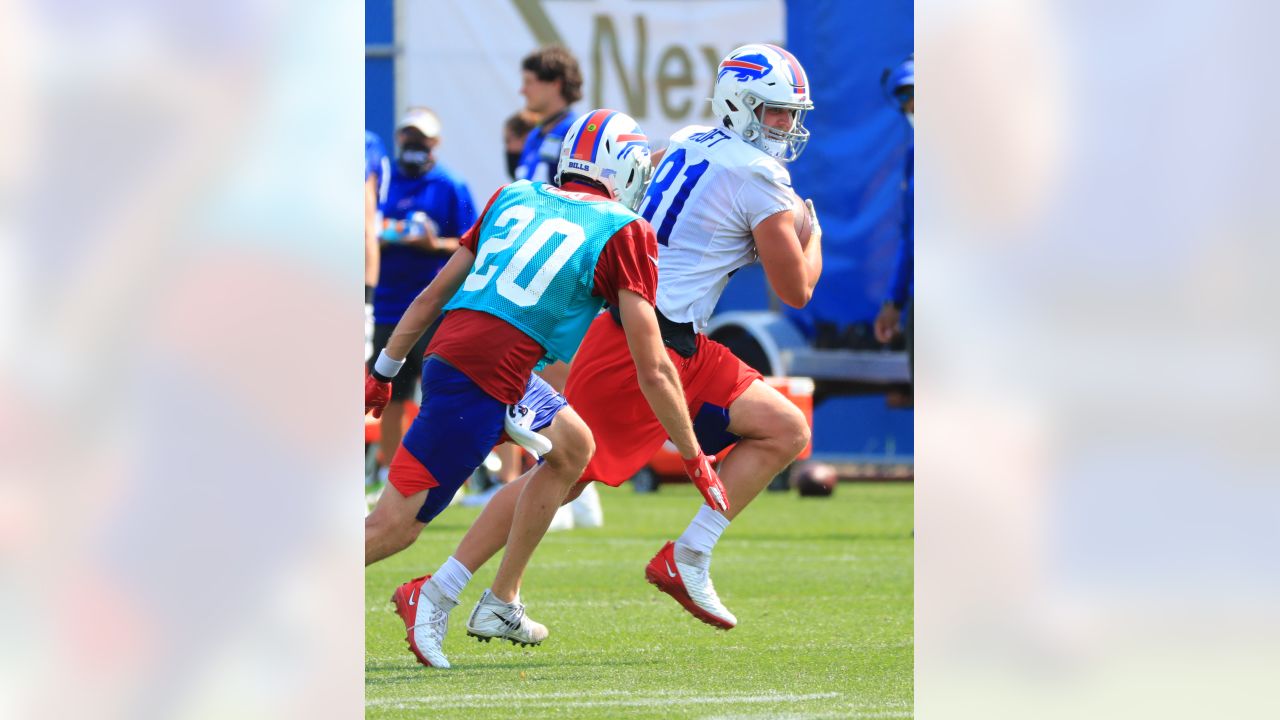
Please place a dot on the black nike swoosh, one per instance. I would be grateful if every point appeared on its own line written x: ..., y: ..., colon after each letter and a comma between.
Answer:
x: 508, y: 623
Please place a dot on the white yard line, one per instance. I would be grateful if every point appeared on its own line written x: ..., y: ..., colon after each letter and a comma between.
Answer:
x: 581, y: 694
x: 624, y: 698
x: 821, y: 715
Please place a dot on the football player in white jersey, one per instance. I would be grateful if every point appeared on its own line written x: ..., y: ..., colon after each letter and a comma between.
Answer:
x: 720, y: 199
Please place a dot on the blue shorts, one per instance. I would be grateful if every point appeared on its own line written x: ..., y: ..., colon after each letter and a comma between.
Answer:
x: 457, y: 425
x: 543, y: 400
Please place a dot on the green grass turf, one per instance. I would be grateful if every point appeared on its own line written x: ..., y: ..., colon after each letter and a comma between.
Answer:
x: 822, y: 590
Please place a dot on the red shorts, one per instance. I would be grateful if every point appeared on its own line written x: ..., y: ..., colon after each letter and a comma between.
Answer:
x: 602, y: 388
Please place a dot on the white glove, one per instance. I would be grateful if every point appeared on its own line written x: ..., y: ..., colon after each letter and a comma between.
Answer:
x: 816, y: 227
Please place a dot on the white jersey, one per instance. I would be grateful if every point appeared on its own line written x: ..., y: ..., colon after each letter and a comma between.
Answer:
x: 707, y: 196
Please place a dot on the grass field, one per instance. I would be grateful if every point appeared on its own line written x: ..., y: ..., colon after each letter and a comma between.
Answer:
x: 822, y: 590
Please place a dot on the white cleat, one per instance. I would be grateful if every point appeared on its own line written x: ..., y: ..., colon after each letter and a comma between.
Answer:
x: 493, y: 618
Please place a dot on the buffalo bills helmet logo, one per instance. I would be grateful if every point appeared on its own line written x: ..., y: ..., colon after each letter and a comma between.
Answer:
x: 752, y: 66
x: 630, y: 142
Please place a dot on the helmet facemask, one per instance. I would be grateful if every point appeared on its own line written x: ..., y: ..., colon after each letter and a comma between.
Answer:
x: 629, y: 190
x: 785, y: 145
x: 632, y: 193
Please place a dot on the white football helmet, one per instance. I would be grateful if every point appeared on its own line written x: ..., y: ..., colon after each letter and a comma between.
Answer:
x: 608, y: 147
x: 763, y: 76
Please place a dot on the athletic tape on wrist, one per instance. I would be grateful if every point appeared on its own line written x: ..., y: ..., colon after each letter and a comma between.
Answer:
x: 385, y: 368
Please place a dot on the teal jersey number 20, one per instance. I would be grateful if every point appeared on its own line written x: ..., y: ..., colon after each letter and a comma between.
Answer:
x: 535, y: 263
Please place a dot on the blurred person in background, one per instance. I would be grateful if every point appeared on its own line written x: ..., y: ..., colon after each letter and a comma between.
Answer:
x: 515, y: 131
x: 427, y: 209
x: 377, y: 177
x: 480, y: 382
x: 551, y: 82
x: 900, y: 84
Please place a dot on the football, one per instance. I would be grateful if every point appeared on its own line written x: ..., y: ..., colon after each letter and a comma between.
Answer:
x: 814, y: 479
x: 801, y: 213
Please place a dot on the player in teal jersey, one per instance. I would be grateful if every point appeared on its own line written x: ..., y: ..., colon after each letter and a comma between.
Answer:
x: 522, y: 289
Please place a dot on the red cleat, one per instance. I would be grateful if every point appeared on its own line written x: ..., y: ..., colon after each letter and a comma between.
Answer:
x: 691, y: 586
x: 407, y: 599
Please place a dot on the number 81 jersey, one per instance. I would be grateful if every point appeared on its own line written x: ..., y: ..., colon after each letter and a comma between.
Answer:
x: 708, y: 194
x: 535, y: 263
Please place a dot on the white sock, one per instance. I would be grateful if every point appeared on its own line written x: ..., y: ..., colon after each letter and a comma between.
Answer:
x: 452, y: 578
x: 705, y: 530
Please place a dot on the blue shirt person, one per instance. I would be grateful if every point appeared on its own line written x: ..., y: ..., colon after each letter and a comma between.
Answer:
x: 551, y: 82
x: 426, y: 210
x: 899, y: 84
x: 541, y: 150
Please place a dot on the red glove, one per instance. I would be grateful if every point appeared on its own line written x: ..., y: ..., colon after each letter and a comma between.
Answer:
x: 704, y: 478
x: 377, y: 393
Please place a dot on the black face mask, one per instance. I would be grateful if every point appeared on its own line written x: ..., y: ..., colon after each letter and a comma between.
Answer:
x: 415, y: 159
x: 513, y: 162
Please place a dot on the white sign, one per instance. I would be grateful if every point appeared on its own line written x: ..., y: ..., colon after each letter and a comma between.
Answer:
x: 652, y: 59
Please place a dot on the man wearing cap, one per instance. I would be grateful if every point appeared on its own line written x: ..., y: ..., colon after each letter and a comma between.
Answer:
x: 427, y: 208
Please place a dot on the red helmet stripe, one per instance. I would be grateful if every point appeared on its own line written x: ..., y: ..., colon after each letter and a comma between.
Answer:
x: 741, y: 64
x: 586, y: 143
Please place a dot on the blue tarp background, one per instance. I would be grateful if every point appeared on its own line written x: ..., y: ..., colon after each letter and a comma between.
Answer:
x: 853, y: 166
x: 853, y: 171
x: 379, y: 72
